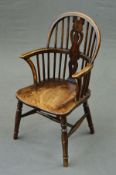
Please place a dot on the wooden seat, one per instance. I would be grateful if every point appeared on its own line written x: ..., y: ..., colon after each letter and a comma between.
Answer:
x: 54, y: 96
x: 61, y: 75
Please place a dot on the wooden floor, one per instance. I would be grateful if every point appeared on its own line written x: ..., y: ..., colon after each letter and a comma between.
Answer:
x: 55, y: 96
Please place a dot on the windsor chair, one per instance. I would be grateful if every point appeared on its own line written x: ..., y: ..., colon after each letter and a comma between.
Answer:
x: 61, y: 74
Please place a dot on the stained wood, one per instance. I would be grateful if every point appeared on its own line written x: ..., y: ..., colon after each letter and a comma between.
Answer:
x: 76, y: 36
x: 32, y: 53
x: 51, y: 117
x: 56, y: 33
x: 62, y: 41
x: 90, y: 38
x: 92, y: 47
x: 17, y: 119
x: 33, y: 69
x: 38, y: 67
x: 76, y: 125
x: 89, y: 118
x: 54, y: 66
x: 67, y: 42
x: 33, y: 111
x: 60, y: 63
x: 53, y: 96
x: 62, y: 33
x: 56, y: 98
x: 43, y: 65
x: 86, y: 37
x: 64, y: 138
x: 84, y: 71
x: 48, y: 63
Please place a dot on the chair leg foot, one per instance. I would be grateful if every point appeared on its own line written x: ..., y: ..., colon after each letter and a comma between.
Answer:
x: 17, y: 120
x: 89, y: 118
x: 64, y: 139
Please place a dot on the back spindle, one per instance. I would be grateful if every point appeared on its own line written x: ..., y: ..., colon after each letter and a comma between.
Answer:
x: 55, y: 45
x: 93, y: 44
x: 67, y: 42
x: 86, y: 37
x: 61, y: 46
x: 38, y: 67
x: 90, y: 38
x: 48, y: 64
x: 94, y: 50
x: 85, y: 43
x: 43, y: 65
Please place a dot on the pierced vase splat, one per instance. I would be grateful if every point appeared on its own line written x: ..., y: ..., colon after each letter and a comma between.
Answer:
x: 76, y: 36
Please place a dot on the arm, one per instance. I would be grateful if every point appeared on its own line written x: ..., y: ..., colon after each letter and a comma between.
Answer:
x: 27, y: 57
x: 83, y: 77
x: 43, y: 50
x: 83, y: 72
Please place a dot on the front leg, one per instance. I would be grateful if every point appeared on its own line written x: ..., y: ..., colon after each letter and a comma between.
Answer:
x: 17, y: 119
x: 64, y: 139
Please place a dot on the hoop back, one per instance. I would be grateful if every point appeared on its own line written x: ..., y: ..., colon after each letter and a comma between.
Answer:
x: 76, y: 26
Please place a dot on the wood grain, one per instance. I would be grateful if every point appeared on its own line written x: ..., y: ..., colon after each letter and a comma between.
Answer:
x: 53, y: 96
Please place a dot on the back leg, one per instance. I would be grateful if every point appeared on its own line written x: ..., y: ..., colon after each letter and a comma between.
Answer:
x: 89, y: 118
x: 17, y: 119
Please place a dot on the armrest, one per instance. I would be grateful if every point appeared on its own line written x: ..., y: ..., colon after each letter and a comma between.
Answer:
x: 43, y: 50
x: 84, y: 71
x: 28, y: 55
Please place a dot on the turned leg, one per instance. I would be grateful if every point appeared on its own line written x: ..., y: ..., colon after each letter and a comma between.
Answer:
x: 64, y: 138
x: 17, y: 119
x: 89, y: 118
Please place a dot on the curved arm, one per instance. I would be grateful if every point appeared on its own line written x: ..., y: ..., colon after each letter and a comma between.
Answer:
x: 33, y: 69
x: 29, y: 54
x: 84, y: 71
x: 83, y: 78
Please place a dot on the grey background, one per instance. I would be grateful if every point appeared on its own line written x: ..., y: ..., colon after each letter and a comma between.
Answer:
x: 23, y: 26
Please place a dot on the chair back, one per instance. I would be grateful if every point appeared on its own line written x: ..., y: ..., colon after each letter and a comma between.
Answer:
x: 78, y: 33
x: 73, y: 42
